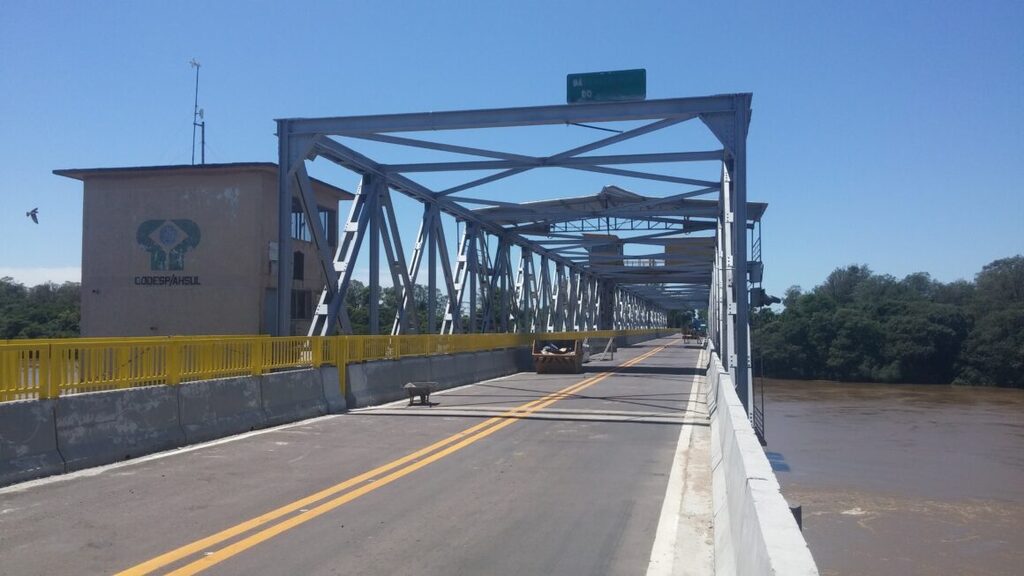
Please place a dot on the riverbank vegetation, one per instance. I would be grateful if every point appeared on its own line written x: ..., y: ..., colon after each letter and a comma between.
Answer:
x: 44, y: 311
x: 861, y: 326
x: 855, y: 326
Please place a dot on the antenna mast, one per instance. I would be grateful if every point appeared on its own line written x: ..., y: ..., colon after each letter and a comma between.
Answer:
x: 197, y: 120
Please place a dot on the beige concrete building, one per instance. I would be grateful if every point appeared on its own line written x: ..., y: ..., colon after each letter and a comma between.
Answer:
x: 193, y: 250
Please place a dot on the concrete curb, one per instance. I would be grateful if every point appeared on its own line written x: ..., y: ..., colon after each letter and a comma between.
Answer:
x: 755, y: 533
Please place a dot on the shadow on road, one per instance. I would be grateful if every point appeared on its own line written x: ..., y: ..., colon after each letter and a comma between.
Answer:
x: 661, y: 370
x: 541, y: 415
x: 670, y: 403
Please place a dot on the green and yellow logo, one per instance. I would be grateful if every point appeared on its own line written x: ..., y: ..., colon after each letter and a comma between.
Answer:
x: 167, y: 241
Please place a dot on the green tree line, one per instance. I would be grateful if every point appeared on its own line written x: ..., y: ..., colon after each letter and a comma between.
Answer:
x: 866, y: 327
x: 357, y: 301
x: 44, y: 311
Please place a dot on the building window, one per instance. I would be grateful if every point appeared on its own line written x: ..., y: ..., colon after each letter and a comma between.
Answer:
x: 302, y: 304
x: 299, y: 229
x: 298, y: 266
x: 328, y: 220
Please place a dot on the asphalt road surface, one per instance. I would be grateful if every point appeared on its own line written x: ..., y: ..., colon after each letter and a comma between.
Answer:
x: 527, y: 474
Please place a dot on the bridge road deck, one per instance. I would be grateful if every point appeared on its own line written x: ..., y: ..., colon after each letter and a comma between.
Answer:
x: 576, y: 487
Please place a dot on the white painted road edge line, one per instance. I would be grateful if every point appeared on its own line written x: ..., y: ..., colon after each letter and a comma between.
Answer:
x: 664, y: 549
x: 96, y: 471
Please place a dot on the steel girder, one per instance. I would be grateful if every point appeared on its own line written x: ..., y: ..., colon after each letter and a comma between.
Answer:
x: 540, y: 274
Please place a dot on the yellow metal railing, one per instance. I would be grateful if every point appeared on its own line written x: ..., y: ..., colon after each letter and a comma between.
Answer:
x: 39, y: 369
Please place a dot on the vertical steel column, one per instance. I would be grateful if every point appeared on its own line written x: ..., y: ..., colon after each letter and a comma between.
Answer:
x: 729, y: 357
x: 374, y: 231
x: 544, y: 320
x: 573, y: 304
x: 474, y: 272
x: 486, y: 294
x: 535, y: 306
x: 446, y: 268
x: 432, y: 231
x: 557, y: 322
x: 606, y: 306
x: 744, y: 385
x: 506, y: 283
x: 452, y: 321
x: 283, y: 324
x: 408, y: 294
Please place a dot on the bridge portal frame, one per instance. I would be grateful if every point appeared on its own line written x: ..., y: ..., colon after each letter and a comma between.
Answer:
x: 571, y: 298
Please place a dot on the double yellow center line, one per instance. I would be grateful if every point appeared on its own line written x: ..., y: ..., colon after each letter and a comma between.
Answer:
x: 380, y: 476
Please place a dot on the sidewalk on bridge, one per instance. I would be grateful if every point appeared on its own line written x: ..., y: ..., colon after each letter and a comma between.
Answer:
x: 684, y: 544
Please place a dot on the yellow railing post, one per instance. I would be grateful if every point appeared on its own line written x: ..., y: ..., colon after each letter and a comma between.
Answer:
x: 6, y: 373
x: 256, y: 357
x: 342, y: 355
x: 173, y: 361
x: 318, y: 352
x: 46, y: 388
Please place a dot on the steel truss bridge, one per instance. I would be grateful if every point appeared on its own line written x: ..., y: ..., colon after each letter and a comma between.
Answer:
x: 615, y: 259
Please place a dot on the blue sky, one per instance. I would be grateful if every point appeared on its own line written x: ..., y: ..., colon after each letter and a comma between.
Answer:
x: 885, y: 133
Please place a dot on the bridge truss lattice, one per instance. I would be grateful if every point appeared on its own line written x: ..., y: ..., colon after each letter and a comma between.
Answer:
x: 539, y: 266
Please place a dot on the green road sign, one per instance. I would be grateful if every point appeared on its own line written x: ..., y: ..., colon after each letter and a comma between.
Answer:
x: 606, y: 86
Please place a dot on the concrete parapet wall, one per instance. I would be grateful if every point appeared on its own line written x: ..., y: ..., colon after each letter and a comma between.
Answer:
x: 28, y: 441
x: 213, y: 409
x: 104, y: 427
x: 336, y: 403
x: 379, y: 382
x: 293, y: 395
x: 444, y: 365
x: 372, y: 383
x: 755, y: 532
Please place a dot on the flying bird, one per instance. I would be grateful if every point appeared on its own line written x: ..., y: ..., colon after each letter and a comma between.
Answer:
x: 33, y: 214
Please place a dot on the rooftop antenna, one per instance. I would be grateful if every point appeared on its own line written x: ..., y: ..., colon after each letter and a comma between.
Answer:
x: 197, y: 120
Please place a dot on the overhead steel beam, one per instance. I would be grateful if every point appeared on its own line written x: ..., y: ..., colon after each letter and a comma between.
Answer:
x: 644, y: 175
x: 541, y: 162
x: 528, y: 116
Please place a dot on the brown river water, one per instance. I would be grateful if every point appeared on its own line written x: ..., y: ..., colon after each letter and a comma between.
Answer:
x: 902, y: 479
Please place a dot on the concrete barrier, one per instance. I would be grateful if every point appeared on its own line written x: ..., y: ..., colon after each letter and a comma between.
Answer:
x: 212, y: 409
x: 443, y: 371
x: 475, y: 364
x: 28, y: 441
x: 755, y: 532
x: 514, y: 359
x: 293, y: 395
x: 379, y: 382
x: 372, y: 383
x: 524, y: 359
x: 105, y: 427
x: 494, y: 365
x: 336, y: 403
